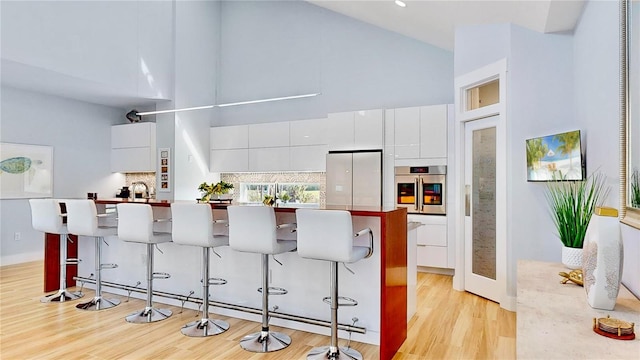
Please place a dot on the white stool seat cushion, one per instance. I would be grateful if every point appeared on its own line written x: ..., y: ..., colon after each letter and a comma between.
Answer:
x: 327, y: 235
x: 46, y: 216
x: 135, y: 224
x: 82, y: 219
x: 253, y: 229
x: 192, y: 224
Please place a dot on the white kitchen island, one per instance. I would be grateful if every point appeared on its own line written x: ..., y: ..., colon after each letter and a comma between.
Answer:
x: 379, y: 283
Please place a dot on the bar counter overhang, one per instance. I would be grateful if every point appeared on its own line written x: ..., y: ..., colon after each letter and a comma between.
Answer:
x: 379, y: 283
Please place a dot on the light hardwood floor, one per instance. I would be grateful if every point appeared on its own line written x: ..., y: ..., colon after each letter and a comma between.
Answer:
x: 448, y: 325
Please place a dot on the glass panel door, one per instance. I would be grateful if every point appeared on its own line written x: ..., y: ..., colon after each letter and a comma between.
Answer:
x: 406, y: 191
x: 483, y: 197
x: 431, y: 193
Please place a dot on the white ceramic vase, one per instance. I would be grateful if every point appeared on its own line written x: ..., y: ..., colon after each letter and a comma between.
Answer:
x: 572, y: 257
x: 602, y: 261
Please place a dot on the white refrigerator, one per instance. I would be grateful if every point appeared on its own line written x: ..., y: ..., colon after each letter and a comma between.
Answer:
x: 354, y: 178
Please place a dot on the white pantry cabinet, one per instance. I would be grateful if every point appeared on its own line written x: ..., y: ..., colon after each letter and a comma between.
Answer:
x: 421, y: 132
x: 356, y: 130
x: 133, y: 147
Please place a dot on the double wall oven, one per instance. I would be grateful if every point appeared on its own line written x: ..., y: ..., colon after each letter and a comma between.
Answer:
x: 421, y: 189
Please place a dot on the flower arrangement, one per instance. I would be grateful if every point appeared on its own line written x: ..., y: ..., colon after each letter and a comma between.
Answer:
x: 572, y: 204
x: 208, y: 190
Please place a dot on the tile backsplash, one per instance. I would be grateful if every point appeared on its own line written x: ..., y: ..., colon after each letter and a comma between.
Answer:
x: 149, y: 178
x: 279, y: 177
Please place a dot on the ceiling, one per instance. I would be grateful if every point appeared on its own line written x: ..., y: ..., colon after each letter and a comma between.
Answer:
x: 434, y: 21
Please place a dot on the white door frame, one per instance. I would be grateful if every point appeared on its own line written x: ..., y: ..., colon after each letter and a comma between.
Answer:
x: 490, y: 72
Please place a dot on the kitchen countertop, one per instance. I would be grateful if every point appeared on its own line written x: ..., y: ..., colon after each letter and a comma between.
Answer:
x: 554, y: 320
x: 355, y: 210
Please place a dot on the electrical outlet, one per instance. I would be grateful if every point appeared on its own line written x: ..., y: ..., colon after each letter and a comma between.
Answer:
x: 17, y: 236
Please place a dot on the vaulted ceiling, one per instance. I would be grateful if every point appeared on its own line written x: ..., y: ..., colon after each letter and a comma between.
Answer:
x: 434, y: 21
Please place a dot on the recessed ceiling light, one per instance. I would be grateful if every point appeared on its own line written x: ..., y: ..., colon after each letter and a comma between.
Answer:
x: 400, y: 3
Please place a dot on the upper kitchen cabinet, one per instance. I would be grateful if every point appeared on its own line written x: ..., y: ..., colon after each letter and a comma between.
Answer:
x: 229, y: 148
x: 421, y: 132
x: 269, y: 135
x: 133, y: 147
x: 433, y: 131
x: 229, y: 137
x: 308, y: 132
x: 356, y: 130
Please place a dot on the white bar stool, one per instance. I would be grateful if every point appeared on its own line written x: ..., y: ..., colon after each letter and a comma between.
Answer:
x: 82, y: 220
x: 328, y: 235
x: 46, y: 216
x: 192, y: 224
x: 253, y: 229
x: 135, y: 224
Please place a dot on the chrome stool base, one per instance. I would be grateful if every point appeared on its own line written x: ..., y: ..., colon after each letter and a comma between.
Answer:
x: 262, y: 342
x: 98, y: 303
x: 148, y: 315
x: 323, y: 352
x: 62, y: 296
x: 205, y: 327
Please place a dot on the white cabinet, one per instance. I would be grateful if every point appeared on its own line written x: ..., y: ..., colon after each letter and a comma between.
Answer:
x: 421, y: 132
x: 308, y: 158
x: 308, y: 132
x: 407, y: 133
x: 432, y: 244
x: 269, y: 135
x: 229, y: 148
x: 433, y: 131
x: 133, y: 147
x: 340, y: 129
x: 356, y: 130
x: 229, y: 160
x: 229, y: 137
x: 269, y: 159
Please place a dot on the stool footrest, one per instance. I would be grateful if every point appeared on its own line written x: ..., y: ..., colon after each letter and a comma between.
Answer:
x: 274, y: 290
x: 346, y: 301
x: 108, y: 266
x: 161, y: 275
x: 217, y: 281
x: 72, y: 261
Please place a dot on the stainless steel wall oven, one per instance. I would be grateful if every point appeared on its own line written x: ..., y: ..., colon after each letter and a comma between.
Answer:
x: 421, y: 189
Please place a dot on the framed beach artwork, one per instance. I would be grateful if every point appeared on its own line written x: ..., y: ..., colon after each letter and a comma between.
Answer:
x: 26, y: 171
x: 555, y: 157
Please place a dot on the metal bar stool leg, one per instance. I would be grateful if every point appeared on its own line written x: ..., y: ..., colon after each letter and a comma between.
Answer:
x: 332, y: 351
x: 63, y: 294
x: 205, y: 326
x: 149, y: 314
x: 98, y: 302
x: 265, y: 340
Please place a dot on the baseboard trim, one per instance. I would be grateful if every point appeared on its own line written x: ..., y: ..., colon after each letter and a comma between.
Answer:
x: 509, y: 303
x: 21, y: 258
x: 434, y: 270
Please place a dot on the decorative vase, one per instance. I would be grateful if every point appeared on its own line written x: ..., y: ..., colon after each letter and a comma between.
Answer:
x: 602, y: 259
x: 572, y: 257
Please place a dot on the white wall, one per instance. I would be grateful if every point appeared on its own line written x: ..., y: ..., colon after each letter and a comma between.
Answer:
x: 278, y: 48
x: 80, y: 135
x: 197, y: 32
x: 597, y: 110
x: 539, y: 102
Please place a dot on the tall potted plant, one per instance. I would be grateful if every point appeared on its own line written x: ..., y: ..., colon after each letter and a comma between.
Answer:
x: 572, y: 204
